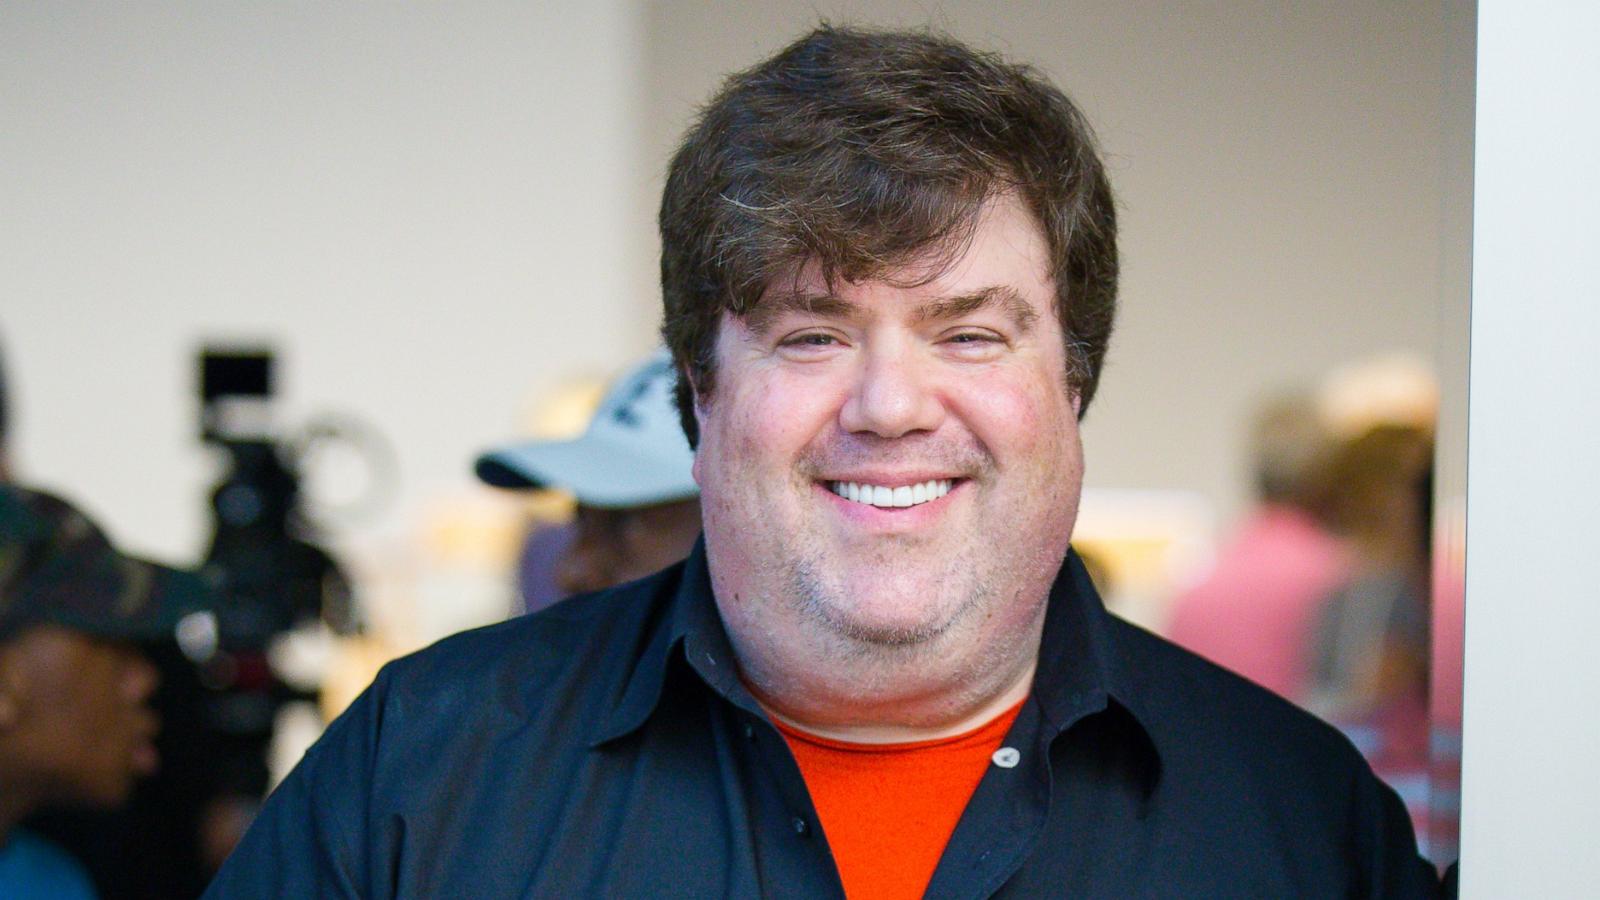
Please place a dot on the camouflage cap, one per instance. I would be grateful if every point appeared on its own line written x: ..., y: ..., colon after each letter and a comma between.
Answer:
x: 57, y: 567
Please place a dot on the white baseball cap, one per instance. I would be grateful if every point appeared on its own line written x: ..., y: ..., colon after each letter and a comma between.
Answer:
x: 632, y: 454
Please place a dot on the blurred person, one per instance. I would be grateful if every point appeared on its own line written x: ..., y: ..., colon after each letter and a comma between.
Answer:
x: 156, y: 846
x: 1390, y: 388
x: 76, y: 728
x: 170, y: 835
x: 889, y: 273
x: 543, y: 547
x: 1371, y: 641
x: 630, y: 472
x: 1255, y: 609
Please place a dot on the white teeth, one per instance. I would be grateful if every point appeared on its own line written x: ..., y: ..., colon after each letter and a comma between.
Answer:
x: 881, y: 496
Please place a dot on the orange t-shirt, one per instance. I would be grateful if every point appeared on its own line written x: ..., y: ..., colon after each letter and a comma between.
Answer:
x: 889, y: 809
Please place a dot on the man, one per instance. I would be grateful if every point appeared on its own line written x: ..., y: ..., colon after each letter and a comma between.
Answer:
x: 630, y: 472
x: 75, y: 727
x: 889, y: 269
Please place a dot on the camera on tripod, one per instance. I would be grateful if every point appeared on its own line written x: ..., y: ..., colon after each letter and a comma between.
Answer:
x: 261, y: 557
x: 270, y: 577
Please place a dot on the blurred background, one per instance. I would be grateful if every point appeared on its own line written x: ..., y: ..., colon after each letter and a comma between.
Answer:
x: 438, y: 223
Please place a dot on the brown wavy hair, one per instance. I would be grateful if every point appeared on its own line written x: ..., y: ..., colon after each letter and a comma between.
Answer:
x: 866, y: 150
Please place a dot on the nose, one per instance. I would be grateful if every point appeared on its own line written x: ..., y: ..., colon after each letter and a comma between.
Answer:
x: 894, y: 394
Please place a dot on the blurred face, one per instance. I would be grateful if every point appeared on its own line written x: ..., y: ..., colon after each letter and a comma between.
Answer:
x: 613, y: 546
x: 74, y: 726
x: 893, y: 467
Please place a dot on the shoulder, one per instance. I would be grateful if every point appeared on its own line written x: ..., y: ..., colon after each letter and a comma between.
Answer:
x: 31, y: 866
x: 447, y: 723
x: 1188, y: 698
x: 1266, y: 774
x: 585, y: 642
x: 468, y: 688
x: 1222, y: 736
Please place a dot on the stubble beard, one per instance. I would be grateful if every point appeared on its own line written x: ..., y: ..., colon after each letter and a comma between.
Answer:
x: 938, y: 637
x: 911, y: 607
x: 945, y: 592
x: 942, y: 651
x: 829, y: 604
x: 941, y: 587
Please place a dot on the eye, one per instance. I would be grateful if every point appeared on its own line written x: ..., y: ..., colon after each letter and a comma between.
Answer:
x: 809, y: 339
x: 974, y: 343
x: 810, y: 344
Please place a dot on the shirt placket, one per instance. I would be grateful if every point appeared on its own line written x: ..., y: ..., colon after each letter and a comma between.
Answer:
x: 792, y: 854
x: 1005, y: 817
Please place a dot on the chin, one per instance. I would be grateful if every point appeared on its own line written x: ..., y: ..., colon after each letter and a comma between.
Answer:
x: 897, y: 622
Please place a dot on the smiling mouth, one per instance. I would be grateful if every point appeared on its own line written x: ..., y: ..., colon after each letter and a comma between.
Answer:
x: 885, y: 497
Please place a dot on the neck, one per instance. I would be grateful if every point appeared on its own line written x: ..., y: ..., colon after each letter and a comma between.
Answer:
x: 924, y: 693
x: 905, y: 727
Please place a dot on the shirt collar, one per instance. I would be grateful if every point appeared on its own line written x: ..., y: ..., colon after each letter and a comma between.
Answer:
x: 690, y: 629
x: 1079, y: 671
x: 1084, y: 670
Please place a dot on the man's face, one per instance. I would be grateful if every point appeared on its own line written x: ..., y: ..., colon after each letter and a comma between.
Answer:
x: 939, y: 409
x: 73, y: 719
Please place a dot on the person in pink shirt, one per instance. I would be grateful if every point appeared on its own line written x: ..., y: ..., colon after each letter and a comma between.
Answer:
x: 1256, y: 608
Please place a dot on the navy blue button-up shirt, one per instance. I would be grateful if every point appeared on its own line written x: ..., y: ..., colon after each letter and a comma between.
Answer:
x: 606, y: 747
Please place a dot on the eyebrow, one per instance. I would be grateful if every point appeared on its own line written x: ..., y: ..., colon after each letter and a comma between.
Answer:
x: 1006, y: 298
x: 775, y: 306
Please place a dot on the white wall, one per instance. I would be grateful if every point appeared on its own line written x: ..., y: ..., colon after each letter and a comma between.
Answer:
x: 423, y: 205
x: 1532, y: 716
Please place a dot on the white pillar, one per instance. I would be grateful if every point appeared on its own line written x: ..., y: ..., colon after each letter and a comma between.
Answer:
x: 1531, y: 757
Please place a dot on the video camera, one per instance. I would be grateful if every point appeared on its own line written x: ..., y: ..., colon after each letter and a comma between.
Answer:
x: 269, y: 575
x: 260, y: 558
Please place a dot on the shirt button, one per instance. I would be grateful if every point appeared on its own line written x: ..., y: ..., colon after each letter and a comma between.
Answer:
x: 1007, y: 757
x: 749, y: 731
x: 799, y: 826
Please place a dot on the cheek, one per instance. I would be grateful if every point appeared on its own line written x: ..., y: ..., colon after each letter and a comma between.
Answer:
x: 766, y: 424
x: 1020, y: 419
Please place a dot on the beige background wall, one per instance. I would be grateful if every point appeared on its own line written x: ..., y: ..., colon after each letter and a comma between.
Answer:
x: 1279, y: 170
x: 420, y: 204
x: 441, y: 211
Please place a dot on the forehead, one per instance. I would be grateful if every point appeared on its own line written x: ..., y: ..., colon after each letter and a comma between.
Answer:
x: 54, y: 652
x: 1004, y: 255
